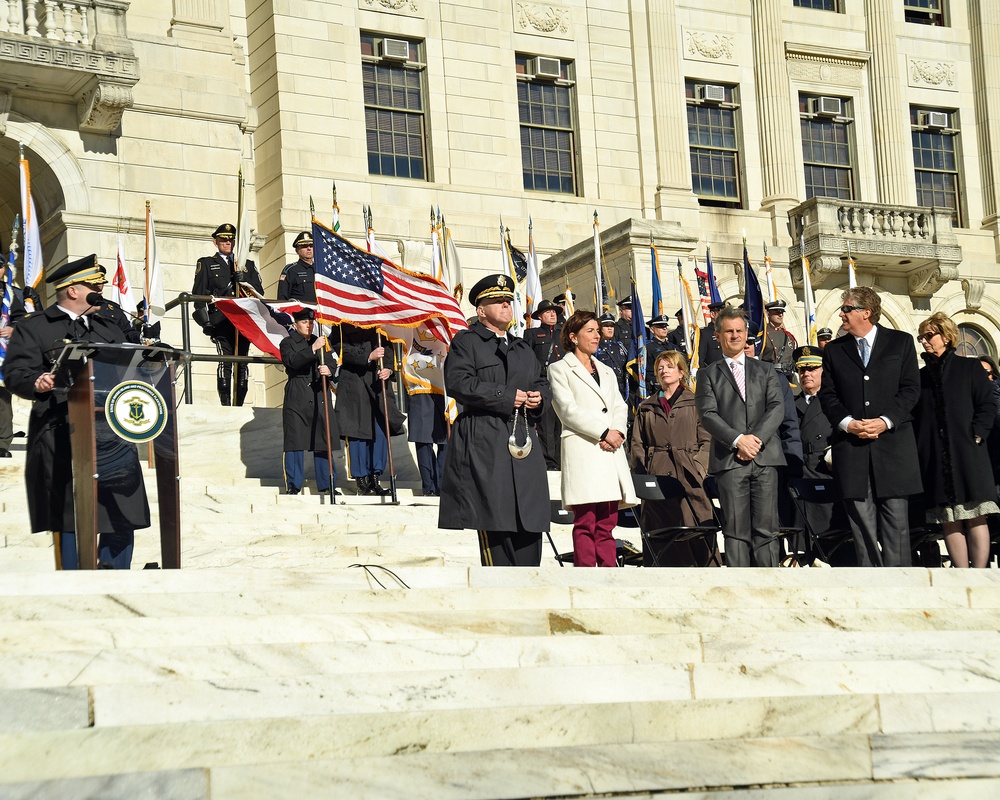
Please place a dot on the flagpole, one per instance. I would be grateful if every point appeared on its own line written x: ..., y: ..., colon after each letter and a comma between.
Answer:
x: 145, y: 311
x: 326, y: 424
x: 236, y: 287
x: 388, y: 432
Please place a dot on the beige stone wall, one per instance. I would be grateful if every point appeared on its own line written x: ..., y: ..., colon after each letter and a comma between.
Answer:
x: 277, y: 84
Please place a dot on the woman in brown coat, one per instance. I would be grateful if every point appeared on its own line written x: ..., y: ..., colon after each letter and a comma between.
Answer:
x: 667, y: 440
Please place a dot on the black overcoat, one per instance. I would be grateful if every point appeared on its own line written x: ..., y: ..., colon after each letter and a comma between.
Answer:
x: 889, y: 386
x: 359, y: 392
x: 302, y: 419
x: 956, y: 405
x: 48, y: 467
x: 213, y: 276
x: 484, y: 487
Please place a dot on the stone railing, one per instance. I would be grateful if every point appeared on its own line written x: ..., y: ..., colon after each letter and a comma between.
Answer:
x: 891, y: 239
x: 72, y: 48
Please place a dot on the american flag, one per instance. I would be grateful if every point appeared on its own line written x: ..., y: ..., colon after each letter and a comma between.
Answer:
x: 703, y: 291
x: 367, y: 290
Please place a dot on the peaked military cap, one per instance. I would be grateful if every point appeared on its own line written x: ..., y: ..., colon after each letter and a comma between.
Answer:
x: 545, y: 305
x: 607, y: 319
x: 777, y: 305
x: 304, y: 239
x: 717, y: 306
x: 83, y: 270
x: 625, y: 302
x: 807, y: 356
x: 492, y: 287
x: 225, y: 231
x: 660, y: 319
x: 680, y: 312
x: 559, y: 298
x: 824, y: 333
x: 303, y: 314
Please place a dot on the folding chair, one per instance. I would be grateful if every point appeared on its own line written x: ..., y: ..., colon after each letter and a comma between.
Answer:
x: 652, y: 488
x: 807, y: 492
x: 559, y: 516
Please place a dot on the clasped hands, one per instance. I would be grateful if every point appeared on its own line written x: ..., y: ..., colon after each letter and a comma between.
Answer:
x: 612, y: 441
x: 867, y: 428
x: 527, y: 399
x: 748, y: 446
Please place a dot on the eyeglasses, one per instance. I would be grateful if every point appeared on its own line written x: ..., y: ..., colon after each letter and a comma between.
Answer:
x: 849, y: 309
x: 928, y: 336
x: 776, y: 311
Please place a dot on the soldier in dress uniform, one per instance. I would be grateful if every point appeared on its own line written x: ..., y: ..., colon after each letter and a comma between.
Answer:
x: 659, y: 330
x: 613, y: 353
x: 779, y: 344
x: 678, y: 336
x: 298, y: 279
x: 428, y: 425
x: 823, y: 337
x: 361, y: 409
x: 623, y: 328
x: 492, y: 483
x: 121, y: 494
x: 709, y: 349
x: 544, y: 341
x: 304, y: 414
x: 217, y: 275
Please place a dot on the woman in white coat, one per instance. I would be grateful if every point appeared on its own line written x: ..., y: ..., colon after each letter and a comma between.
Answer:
x: 595, y: 476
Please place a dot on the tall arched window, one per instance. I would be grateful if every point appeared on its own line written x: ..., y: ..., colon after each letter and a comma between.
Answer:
x: 972, y: 341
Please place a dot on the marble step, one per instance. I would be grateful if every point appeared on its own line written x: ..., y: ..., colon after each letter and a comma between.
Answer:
x: 87, y: 750
x: 52, y: 666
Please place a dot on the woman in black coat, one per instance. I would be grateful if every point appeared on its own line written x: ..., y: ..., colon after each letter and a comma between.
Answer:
x: 953, y: 417
x: 302, y: 416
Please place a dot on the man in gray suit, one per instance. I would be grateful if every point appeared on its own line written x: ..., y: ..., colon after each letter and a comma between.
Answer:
x: 740, y: 404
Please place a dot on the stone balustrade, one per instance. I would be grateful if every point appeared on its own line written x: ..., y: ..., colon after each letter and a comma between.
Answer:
x: 75, y: 49
x: 888, y: 238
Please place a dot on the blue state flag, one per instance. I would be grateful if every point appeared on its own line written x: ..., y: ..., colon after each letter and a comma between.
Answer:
x: 753, y: 304
x: 636, y: 364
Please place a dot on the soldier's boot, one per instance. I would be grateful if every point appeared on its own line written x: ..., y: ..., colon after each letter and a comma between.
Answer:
x: 363, y: 487
x: 376, y: 488
x: 242, y: 383
x: 224, y: 383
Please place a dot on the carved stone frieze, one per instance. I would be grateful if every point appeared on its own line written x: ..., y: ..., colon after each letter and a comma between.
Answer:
x: 932, y: 74
x: 826, y: 65
x: 101, y: 105
x: 410, y: 8
x: 42, y: 53
x: 543, y: 19
x: 974, y: 290
x: 709, y: 46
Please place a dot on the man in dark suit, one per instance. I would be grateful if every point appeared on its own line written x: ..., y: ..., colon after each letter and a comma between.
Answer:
x: 870, y: 385
x: 218, y: 276
x: 740, y: 404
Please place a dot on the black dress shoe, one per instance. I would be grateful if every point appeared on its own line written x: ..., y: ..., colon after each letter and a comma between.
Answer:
x: 292, y: 491
x: 5, y: 454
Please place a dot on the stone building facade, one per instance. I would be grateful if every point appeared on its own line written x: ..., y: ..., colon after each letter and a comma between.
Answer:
x: 861, y: 123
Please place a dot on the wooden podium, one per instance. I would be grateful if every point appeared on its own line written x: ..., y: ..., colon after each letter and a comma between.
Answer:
x: 122, y: 396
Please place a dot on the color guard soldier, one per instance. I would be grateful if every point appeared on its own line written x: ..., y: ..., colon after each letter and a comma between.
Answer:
x: 544, y: 341
x: 6, y: 331
x: 709, y: 349
x: 823, y: 337
x: 779, y: 344
x: 298, y: 280
x: 623, y: 328
x: 678, y: 336
x: 613, y: 353
x: 659, y: 330
x: 217, y: 276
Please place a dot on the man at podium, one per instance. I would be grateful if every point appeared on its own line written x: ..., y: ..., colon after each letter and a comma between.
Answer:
x: 38, y: 338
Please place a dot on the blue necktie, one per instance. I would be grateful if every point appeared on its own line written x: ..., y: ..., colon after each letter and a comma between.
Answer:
x: 863, y: 347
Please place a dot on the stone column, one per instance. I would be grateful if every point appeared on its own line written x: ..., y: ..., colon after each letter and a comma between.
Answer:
x: 673, y: 158
x: 984, y: 23
x: 891, y: 134
x: 778, y: 155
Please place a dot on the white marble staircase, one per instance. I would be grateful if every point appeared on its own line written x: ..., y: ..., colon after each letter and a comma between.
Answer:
x: 271, y: 667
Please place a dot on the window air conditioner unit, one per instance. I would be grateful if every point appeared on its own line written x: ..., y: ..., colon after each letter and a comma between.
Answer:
x: 542, y: 67
x: 934, y: 119
x: 826, y: 106
x: 711, y: 93
x: 398, y: 49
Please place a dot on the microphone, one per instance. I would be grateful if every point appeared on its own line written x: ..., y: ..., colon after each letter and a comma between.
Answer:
x: 94, y: 299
